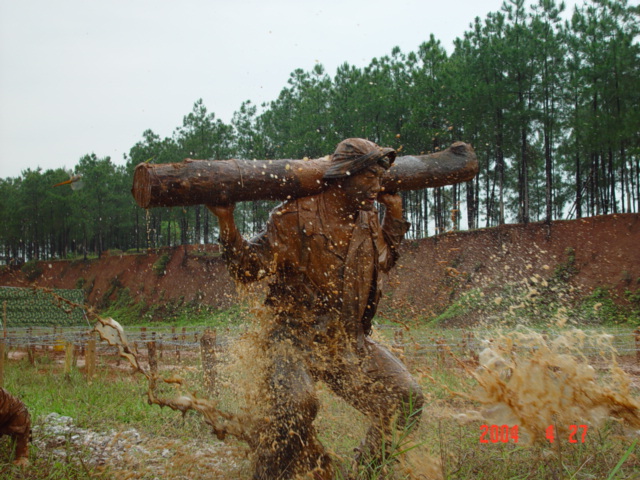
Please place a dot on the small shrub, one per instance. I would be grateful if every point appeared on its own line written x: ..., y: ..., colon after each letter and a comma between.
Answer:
x: 88, y: 286
x: 633, y: 297
x: 115, y: 286
x: 32, y: 270
x: 601, y: 307
x: 160, y: 265
x: 634, y: 304
x: 567, y: 269
x: 471, y: 301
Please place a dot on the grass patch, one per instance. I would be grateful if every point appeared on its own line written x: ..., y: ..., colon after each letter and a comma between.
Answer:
x: 174, y: 314
x: 603, y: 307
x: 115, y: 399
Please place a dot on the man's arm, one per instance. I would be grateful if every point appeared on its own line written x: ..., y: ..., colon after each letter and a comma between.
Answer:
x: 247, y: 261
x: 228, y: 230
x: 394, y: 228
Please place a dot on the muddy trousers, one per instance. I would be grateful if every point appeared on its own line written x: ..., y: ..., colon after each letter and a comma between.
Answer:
x: 374, y: 382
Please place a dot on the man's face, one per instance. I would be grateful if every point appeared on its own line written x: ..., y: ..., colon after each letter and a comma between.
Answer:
x: 363, y: 188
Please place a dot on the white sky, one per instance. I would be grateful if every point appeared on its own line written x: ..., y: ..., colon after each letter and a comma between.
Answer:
x: 83, y: 76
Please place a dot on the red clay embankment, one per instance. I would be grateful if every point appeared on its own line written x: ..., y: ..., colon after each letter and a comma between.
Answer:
x: 603, y: 251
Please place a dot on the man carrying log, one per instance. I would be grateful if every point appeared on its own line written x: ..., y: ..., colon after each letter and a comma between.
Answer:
x: 325, y: 254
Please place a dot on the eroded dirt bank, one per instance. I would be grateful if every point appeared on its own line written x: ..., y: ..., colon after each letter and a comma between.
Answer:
x: 593, y: 252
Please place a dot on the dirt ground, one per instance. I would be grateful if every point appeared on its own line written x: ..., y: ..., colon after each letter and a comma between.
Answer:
x: 599, y: 251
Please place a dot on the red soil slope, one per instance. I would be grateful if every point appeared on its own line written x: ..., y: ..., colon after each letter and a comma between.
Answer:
x: 606, y: 251
x: 431, y: 273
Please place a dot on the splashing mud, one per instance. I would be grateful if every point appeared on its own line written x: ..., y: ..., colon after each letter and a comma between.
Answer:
x: 255, y: 377
x: 222, y: 423
x: 536, y: 380
x: 525, y: 378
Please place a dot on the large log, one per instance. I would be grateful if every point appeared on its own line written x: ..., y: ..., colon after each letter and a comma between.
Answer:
x: 219, y: 182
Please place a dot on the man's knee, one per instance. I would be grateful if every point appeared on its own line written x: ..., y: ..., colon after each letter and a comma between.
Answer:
x: 294, y: 409
x: 292, y: 388
x: 304, y: 405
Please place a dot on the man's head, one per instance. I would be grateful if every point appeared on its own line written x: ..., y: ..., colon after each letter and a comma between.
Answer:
x: 357, y: 168
x: 354, y: 155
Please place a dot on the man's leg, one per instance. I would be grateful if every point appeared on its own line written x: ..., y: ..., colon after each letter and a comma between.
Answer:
x: 287, y: 441
x: 382, y: 388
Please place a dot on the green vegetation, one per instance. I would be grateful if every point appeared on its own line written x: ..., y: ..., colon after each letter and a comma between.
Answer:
x: 602, y: 307
x: 567, y: 269
x: 633, y: 297
x: 538, y: 301
x: 30, y: 307
x: 119, y: 303
x: 540, y: 304
x: 32, y: 270
x: 160, y: 265
x: 465, y: 458
x: 174, y: 313
x: 469, y: 303
x: 113, y: 400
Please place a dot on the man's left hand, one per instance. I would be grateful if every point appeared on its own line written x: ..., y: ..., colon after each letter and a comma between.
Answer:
x: 392, y: 202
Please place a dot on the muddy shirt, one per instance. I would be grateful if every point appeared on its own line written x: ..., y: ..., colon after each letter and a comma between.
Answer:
x: 317, y: 280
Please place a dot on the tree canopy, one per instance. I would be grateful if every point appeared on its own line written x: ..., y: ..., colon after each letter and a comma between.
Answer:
x: 551, y: 107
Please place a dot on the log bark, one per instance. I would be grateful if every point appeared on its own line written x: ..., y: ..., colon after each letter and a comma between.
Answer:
x: 220, y: 182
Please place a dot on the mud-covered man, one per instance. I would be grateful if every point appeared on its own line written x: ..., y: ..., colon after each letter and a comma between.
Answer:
x: 325, y: 255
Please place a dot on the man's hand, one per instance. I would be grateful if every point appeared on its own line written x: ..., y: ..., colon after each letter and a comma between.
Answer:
x: 228, y: 229
x: 393, y: 204
x: 222, y: 211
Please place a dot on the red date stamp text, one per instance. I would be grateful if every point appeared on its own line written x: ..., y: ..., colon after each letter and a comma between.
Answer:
x: 509, y: 433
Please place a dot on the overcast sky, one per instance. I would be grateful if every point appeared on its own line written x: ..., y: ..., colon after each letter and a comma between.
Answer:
x: 83, y: 76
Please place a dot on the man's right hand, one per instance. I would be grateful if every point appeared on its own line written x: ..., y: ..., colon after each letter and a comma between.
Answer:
x: 228, y: 230
x: 222, y: 211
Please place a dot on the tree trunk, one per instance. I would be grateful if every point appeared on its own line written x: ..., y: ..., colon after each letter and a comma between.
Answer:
x: 500, y: 166
x: 471, y: 206
x: 216, y: 182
